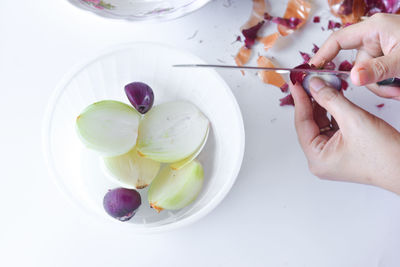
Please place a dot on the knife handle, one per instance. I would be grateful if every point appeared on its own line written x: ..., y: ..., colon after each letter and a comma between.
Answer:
x: 391, y: 81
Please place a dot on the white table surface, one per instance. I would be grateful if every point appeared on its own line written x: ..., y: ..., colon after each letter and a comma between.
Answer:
x: 277, y: 213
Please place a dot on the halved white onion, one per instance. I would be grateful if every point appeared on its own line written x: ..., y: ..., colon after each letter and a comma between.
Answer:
x: 172, y: 131
x: 109, y: 127
x: 175, y: 189
x: 182, y: 163
x: 131, y: 170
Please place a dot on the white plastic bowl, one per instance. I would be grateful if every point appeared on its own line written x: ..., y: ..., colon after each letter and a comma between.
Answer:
x: 78, y: 171
x: 140, y: 10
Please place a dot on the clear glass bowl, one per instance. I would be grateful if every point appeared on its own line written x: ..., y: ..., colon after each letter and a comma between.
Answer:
x: 78, y: 171
x: 140, y: 10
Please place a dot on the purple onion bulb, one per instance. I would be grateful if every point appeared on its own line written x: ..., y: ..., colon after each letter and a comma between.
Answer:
x: 122, y: 203
x: 140, y: 95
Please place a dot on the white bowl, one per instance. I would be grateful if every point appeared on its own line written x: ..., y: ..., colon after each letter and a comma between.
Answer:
x: 78, y: 171
x: 140, y: 10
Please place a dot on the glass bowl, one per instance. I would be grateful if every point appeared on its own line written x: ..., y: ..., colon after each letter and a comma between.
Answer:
x: 140, y: 10
x: 79, y: 173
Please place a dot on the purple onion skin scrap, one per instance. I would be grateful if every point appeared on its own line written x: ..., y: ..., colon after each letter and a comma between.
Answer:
x: 250, y: 34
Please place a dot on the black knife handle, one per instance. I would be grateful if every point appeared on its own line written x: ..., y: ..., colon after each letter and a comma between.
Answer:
x: 391, y: 81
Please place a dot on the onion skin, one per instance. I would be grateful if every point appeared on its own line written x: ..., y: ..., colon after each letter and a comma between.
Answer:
x: 298, y: 76
x: 345, y: 65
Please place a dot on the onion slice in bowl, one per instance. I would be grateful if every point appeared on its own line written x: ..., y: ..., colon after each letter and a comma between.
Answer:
x: 131, y: 170
x: 171, y: 132
x: 175, y: 189
x: 108, y: 127
x: 180, y: 164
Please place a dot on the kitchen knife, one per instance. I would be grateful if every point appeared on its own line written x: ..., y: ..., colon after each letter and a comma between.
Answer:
x: 391, y: 81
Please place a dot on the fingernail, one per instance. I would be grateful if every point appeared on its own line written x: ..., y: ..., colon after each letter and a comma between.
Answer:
x: 363, y: 76
x: 317, y: 84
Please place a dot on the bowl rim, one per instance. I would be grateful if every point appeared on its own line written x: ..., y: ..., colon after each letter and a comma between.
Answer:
x: 104, y: 13
x: 53, y: 172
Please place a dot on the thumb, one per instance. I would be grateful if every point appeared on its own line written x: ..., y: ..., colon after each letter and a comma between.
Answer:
x: 332, y: 100
x: 376, y: 69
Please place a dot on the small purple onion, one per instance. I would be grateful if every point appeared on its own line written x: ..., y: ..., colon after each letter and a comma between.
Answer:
x: 331, y: 80
x: 122, y: 203
x: 140, y: 95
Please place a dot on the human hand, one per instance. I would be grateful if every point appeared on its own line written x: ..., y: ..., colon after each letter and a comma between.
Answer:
x: 357, y: 147
x: 377, y: 40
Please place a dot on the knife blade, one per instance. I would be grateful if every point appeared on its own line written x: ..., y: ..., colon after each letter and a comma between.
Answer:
x: 279, y: 70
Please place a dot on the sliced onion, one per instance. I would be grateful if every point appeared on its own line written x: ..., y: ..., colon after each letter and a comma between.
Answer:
x: 132, y: 170
x: 171, y: 132
x: 109, y: 127
x: 180, y: 164
x: 175, y: 189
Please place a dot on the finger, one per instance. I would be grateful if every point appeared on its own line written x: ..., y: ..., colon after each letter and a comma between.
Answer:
x: 346, y: 38
x: 322, y: 120
x: 307, y: 129
x: 362, y: 55
x: 376, y: 69
x: 382, y: 91
x: 333, y: 101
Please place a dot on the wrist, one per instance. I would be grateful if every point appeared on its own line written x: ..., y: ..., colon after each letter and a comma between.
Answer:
x: 389, y: 176
x: 392, y: 182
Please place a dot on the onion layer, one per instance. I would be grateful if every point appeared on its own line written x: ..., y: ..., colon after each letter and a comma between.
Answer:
x: 171, y: 132
x: 109, y: 127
